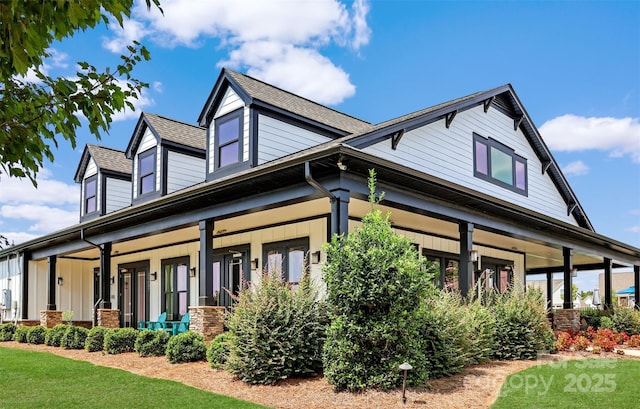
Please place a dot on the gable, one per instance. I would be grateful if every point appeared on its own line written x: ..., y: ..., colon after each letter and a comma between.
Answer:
x: 447, y: 153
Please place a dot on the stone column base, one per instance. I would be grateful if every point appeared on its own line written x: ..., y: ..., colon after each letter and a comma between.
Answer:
x: 207, y: 320
x: 108, y: 318
x: 566, y: 319
x: 50, y: 318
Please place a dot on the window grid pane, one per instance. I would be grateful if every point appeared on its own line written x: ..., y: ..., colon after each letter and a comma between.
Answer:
x: 229, y: 153
x: 481, y: 158
x: 501, y: 166
x: 521, y: 178
x: 228, y: 131
x: 296, y: 264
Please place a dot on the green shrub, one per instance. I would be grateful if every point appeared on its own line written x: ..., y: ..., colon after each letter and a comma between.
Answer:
x: 54, y: 335
x: 277, y: 331
x: 522, y: 328
x: 36, y: 335
x: 592, y: 317
x: 482, y: 331
x: 74, y: 337
x: 375, y: 285
x: 21, y: 334
x: 606, y: 323
x: 7, y: 331
x: 218, y: 351
x: 186, y: 347
x: 95, y: 339
x: 626, y: 320
x: 119, y: 340
x: 152, y: 343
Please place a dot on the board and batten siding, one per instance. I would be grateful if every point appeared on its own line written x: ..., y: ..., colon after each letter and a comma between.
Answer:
x: 183, y: 171
x: 277, y: 139
x: 91, y: 170
x: 149, y: 141
x: 230, y: 102
x: 118, y: 194
x: 448, y: 154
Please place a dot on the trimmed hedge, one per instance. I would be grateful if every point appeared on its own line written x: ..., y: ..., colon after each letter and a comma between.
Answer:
x: 152, y: 343
x: 218, y: 351
x: 186, y: 347
x: 21, y: 334
x: 95, y: 339
x: 7, y: 331
x: 36, y: 335
x: 54, y: 335
x: 119, y: 340
x: 74, y: 337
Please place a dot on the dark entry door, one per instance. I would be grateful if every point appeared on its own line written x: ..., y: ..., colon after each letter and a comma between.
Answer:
x: 133, y: 294
x: 228, y: 268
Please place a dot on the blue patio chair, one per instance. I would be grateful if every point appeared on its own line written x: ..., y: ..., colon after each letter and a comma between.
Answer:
x: 178, y: 327
x: 161, y: 323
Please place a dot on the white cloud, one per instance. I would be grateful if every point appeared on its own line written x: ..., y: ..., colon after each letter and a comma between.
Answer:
x: 14, y: 191
x: 278, y: 41
x: 140, y: 104
x: 130, y: 31
x: 618, y: 136
x: 577, y: 168
x: 43, y: 219
x: 633, y: 229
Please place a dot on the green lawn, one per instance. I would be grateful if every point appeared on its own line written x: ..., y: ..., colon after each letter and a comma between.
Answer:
x: 43, y: 380
x: 590, y: 383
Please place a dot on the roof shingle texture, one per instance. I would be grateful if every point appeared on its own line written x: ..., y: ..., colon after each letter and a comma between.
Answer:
x: 110, y: 159
x: 176, y: 131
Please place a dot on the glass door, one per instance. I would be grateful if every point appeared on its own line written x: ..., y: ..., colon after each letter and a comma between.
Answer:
x: 133, y: 294
x: 228, y: 270
x: 125, y: 299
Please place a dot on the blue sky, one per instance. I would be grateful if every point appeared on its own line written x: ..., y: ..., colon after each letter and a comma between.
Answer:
x: 575, y: 66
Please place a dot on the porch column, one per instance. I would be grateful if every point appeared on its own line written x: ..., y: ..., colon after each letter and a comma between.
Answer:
x: 465, y: 268
x: 340, y: 212
x: 51, y: 283
x: 205, y: 275
x: 105, y: 276
x: 608, y: 304
x: 636, y: 283
x: 25, y: 286
x: 567, y: 254
x: 549, y: 290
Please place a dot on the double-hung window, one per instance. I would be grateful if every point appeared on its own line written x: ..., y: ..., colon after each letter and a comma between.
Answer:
x: 228, y: 139
x: 499, y: 164
x: 90, y: 194
x: 147, y: 171
x: 287, y: 257
x: 175, y: 287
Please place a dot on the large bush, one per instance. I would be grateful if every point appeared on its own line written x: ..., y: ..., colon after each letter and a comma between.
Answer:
x: 119, y: 340
x: 36, y: 335
x: 74, y: 337
x: 454, y: 334
x: 95, y: 339
x: 7, y: 331
x: 21, y: 334
x: 277, y: 331
x: 186, y: 347
x: 522, y: 328
x: 626, y: 320
x: 375, y: 285
x: 218, y: 351
x: 53, y: 337
x: 152, y: 343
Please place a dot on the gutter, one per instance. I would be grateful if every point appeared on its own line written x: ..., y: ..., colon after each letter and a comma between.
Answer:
x: 310, y: 180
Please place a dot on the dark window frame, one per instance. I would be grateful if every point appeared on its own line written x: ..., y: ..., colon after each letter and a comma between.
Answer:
x: 443, y: 259
x: 490, y: 143
x: 174, y: 263
x: 239, y: 115
x: 284, y: 246
x: 143, y: 155
x: 93, y: 178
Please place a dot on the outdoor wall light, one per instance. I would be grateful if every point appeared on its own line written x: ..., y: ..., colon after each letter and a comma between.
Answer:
x: 113, y: 280
x: 59, y: 280
x: 473, y: 256
x: 315, y: 257
x: 405, y: 367
x: 254, y: 263
x: 574, y: 272
x: 153, y: 276
x: 193, y: 271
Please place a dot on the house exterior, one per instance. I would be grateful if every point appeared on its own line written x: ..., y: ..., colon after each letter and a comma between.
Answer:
x: 266, y: 177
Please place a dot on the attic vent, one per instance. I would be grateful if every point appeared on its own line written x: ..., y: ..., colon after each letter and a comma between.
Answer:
x: 502, y: 102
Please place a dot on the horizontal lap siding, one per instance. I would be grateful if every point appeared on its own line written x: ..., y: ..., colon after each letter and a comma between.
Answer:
x: 230, y: 102
x: 118, y: 194
x: 448, y: 154
x: 183, y: 171
x: 277, y: 139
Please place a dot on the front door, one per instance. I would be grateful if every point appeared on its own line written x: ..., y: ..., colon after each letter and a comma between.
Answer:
x: 229, y: 267
x: 498, y: 273
x: 133, y: 293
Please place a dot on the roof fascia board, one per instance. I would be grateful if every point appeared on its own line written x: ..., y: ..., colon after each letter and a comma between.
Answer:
x: 217, y: 93
x: 138, y: 132
x: 295, y: 119
x: 82, y: 166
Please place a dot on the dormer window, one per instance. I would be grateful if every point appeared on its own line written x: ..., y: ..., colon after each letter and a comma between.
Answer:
x: 147, y: 172
x: 499, y: 164
x: 90, y: 194
x: 228, y: 139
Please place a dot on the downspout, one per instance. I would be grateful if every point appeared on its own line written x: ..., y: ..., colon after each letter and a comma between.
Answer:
x: 310, y: 180
x: 94, y: 317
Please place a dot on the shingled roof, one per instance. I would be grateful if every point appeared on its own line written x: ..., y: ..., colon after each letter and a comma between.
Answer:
x: 176, y: 131
x: 105, y: 158
x: 285, y: 101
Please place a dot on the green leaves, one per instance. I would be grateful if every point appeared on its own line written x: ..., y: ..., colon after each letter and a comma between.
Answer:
x: 34, y: 116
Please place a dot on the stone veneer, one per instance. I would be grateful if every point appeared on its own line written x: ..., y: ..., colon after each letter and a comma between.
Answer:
x: 108, y: 318
x: 566, y: 319
x: 207, y: 320
x: 50, y: 318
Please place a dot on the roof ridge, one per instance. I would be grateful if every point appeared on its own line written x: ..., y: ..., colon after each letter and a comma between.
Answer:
x: 172, y: 119
x: 104, y: 147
